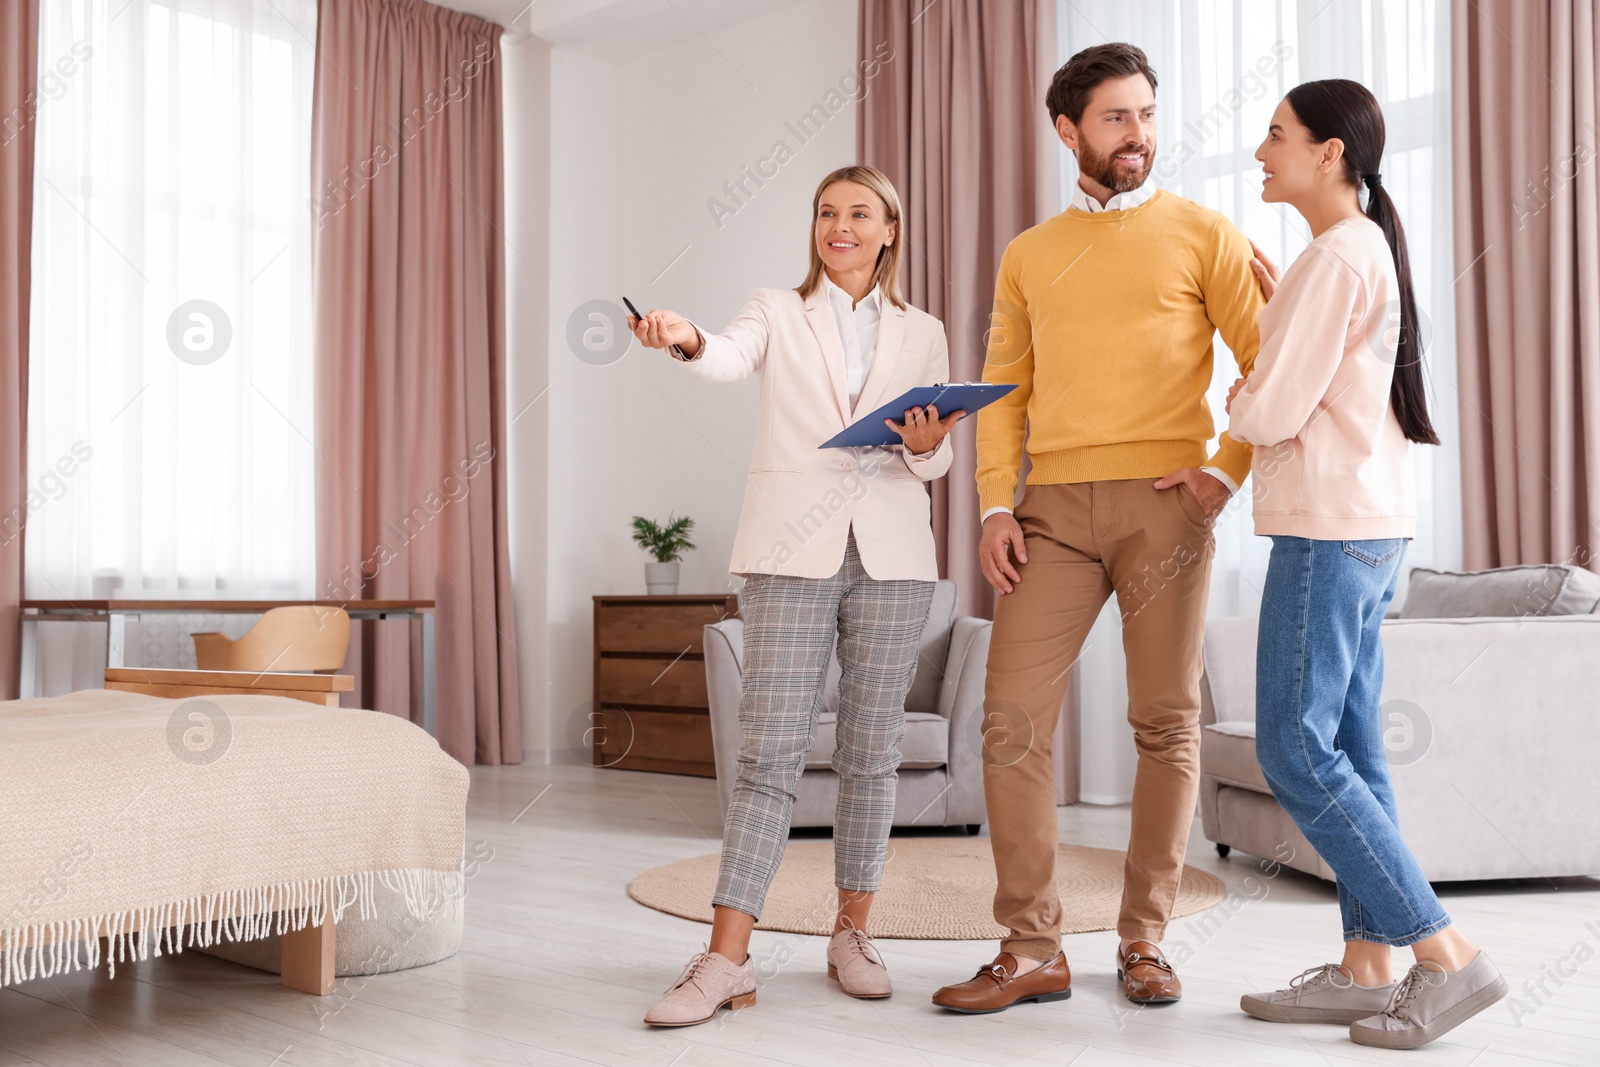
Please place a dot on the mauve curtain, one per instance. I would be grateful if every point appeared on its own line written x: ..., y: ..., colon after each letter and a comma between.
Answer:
x: 1527, y: 246
x: 410, y: 349
x: 19, y: 101
x: 955, y: 117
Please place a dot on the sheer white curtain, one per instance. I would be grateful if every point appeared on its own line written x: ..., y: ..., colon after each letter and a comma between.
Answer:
x: 1223, y: 65
x: 170, y: 374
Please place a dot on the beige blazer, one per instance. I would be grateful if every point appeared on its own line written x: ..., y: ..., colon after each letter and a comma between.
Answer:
x: 802, y: 501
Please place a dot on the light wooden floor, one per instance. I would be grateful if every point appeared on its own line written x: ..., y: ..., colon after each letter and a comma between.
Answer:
x: 559, y: 965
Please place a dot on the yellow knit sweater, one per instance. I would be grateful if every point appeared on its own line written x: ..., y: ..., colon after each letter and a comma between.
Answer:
x: 1104, y: 320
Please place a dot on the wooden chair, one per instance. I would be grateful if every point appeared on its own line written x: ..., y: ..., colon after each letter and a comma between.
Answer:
x: 300, y: 638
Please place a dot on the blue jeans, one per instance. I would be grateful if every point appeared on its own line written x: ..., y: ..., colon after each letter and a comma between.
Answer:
x: 1319, y: 732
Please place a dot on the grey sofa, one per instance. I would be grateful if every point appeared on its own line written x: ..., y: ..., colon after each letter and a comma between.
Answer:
x: 1492, y: 726
x: 941, y: 762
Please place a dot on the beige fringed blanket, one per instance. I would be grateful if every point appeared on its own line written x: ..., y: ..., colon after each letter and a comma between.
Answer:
x: 132, y: 817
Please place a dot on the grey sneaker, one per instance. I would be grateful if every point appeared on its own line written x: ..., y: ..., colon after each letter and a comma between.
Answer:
x: 1325, y: 994
x: 1429, y: 1003
x: 711, y: 981
x: 854, y: 962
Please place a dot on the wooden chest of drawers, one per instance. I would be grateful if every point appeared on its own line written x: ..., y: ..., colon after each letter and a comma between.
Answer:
x: 650, y: 682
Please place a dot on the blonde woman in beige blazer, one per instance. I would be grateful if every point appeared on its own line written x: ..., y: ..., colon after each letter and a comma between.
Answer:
x: 835, y: 545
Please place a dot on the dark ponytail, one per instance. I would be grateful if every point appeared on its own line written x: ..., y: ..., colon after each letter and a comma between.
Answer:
x: 1345, y: 109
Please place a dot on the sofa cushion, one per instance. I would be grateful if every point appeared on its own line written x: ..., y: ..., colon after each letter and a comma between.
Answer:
x: 1505, y: 592
x: 1228, y: 751
x: 926, y: 743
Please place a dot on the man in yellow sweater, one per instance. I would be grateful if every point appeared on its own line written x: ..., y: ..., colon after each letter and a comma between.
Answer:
x: 1104, y: 318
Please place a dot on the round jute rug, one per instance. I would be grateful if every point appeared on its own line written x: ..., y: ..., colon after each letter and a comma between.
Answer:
x: 933, y: 889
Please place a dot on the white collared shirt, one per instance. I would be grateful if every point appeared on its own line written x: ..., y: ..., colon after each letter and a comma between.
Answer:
x: 1082, y: 201
x: 858, y: 332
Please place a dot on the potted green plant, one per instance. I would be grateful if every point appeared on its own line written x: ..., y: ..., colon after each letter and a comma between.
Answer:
x: 667, y: 543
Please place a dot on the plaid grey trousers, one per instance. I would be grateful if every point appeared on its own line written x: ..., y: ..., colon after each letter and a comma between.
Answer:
x: 789, y: 629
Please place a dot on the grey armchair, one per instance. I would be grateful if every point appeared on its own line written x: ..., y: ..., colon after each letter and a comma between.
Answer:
x: 941, y: 759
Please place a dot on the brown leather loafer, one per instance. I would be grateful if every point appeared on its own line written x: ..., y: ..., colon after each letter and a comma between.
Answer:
x: 1146, y: 976
x: 997, y: 986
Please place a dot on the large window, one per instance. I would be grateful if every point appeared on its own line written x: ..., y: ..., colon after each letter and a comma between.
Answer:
x: 170, y: 414
x: 1223, y: 65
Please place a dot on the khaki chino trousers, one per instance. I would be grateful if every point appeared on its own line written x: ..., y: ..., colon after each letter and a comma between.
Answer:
x: 1153, y: 549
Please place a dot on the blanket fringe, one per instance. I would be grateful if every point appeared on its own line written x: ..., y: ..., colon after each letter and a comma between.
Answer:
x: 44, y: 950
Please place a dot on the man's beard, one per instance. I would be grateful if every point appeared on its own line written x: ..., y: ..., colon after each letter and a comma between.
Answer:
x: 1106, y: 171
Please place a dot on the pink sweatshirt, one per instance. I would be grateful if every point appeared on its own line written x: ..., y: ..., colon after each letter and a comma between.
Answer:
x: 1331, y: 462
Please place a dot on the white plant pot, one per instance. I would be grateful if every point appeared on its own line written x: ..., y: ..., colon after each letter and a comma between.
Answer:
x: 661, y: 579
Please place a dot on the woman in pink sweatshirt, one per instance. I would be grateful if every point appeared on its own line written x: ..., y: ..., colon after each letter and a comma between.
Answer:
x: 1332, y: 405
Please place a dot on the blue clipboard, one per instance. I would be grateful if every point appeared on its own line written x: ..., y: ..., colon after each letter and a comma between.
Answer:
x: 869, y: 430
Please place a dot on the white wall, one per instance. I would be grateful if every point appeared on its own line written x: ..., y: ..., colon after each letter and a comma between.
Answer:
x: 615, y: 162
x: 584, y: 510
x: 685, y: 136
x: 527, y: 92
